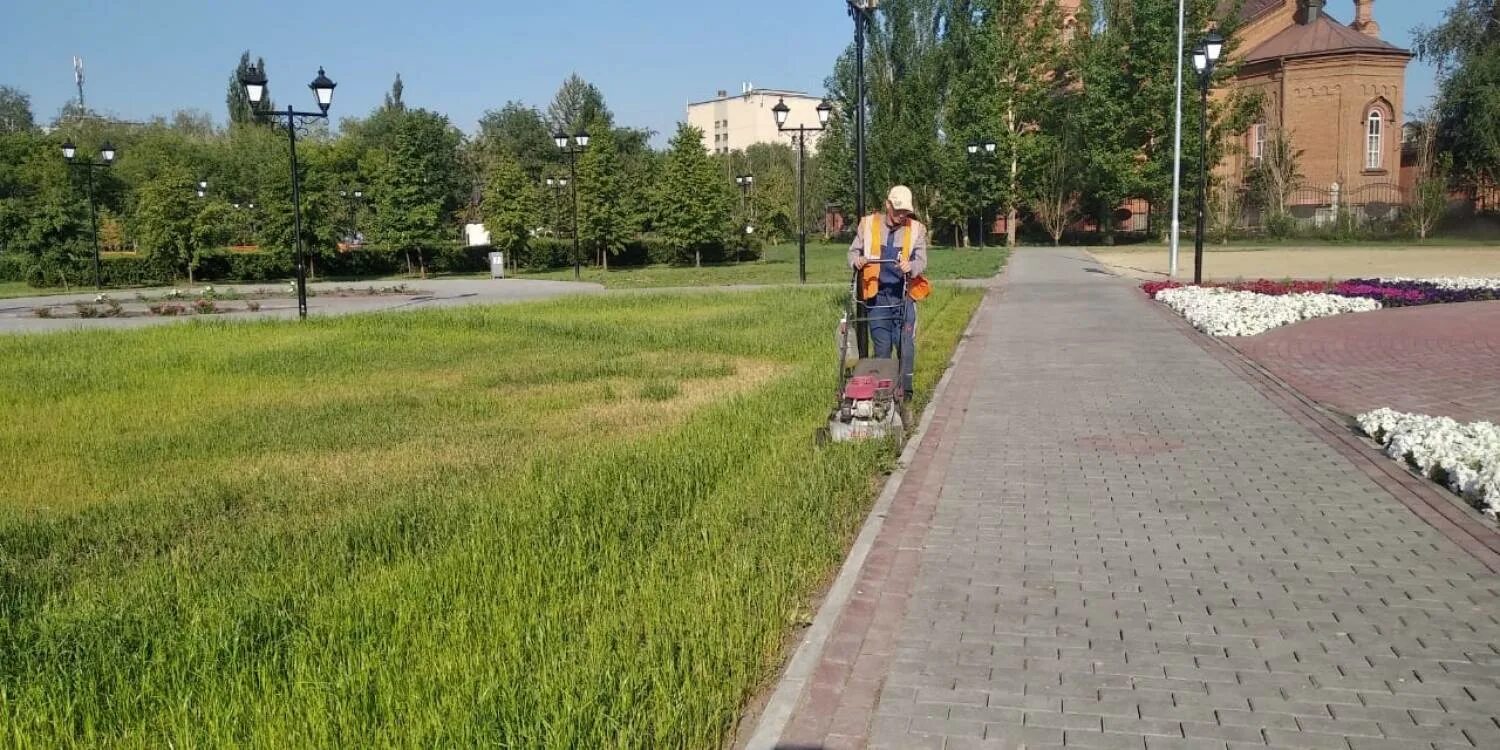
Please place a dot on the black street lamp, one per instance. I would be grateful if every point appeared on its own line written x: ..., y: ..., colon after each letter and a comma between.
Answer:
x: 580, y: 142
x: 1205, y: 58
x: 800, y: 134
x: 863, y: 13
x: 106, y: 158
x: 202, y: 188
x: 975, y: 149
x: 556, y: 185
x: 745, y: 181
x: 353, y: 197
x: 254, y: 81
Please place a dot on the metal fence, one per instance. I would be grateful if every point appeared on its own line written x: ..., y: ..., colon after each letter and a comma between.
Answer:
x: 1311, y: 208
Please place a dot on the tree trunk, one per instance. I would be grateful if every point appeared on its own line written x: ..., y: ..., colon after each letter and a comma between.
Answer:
x: 697, y: 258
x: 604, y: 259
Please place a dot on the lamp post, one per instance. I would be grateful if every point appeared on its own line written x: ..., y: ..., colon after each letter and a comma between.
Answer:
x: 1205, y: 58
x: 862, y: 11
x: 556, y: 185
x: 800, y: 134
x: 202, y: 188
x: 745, y: 181
x: 580, y: 142
x: 352, y: 198
x: 975, y: 149
x: 106, y: 158
x: 254, y: 81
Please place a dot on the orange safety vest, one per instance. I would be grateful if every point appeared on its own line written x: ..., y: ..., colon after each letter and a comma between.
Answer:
x: 869, y: 279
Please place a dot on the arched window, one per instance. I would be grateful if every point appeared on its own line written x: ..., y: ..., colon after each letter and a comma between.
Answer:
x: 1375, y: 139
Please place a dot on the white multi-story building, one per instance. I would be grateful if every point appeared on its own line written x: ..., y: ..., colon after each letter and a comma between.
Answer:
x: 734, y: 123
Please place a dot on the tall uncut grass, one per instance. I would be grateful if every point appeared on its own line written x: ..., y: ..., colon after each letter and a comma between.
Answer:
x: 583, y: 523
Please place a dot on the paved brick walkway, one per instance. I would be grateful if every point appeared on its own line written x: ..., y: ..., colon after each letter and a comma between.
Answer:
x: 1122, y: 543
x: 1442, y: 360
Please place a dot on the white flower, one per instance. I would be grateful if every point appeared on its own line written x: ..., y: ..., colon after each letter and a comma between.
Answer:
x: 1455, y: 283
x: 1224, y: 312
x: 1465, y: 456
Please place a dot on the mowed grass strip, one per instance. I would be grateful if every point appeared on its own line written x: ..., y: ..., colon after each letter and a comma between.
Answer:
x: 827, y: 263
x: 584, y: 523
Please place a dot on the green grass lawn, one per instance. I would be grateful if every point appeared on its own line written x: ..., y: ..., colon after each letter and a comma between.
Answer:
x: 826, y: 263
x: 13, y: 289
x: 580, y: 523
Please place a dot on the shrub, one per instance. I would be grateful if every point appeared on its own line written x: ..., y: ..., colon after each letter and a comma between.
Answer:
x: 14, y: 267
x: 252, y: 306
x: 86, y: 310
x: 112, y: 308
x: 42, y: 312
x: 205, y: 306
x: 364, y: 261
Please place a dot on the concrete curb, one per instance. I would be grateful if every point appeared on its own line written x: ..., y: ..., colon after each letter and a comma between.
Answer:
x: 778, y: 710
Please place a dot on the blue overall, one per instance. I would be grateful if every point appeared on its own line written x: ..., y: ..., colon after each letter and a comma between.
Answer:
x: 893, y: 316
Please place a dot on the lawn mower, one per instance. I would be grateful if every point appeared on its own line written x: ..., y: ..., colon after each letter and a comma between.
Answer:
x: 871, y: 399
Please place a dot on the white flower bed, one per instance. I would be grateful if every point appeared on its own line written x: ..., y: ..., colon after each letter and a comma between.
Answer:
x: 1222, y: 312
x: 1465, y: 457
x: 1454, y: 283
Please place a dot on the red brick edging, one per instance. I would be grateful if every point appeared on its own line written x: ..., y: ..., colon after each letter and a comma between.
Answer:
x: 836, y: 708
x: 1432, y: 504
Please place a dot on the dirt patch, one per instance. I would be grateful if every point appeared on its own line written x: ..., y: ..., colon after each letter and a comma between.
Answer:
x: 1308, y: 262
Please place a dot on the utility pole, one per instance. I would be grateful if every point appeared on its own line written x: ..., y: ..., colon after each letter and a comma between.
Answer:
x: 78, y: 79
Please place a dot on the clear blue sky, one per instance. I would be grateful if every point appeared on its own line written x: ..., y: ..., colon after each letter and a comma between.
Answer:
x: 152, y: 57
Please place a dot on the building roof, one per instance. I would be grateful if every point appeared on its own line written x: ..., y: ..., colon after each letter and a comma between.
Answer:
x: 1251, y: 9
x: 756, y: 92
x: 1323, y: 36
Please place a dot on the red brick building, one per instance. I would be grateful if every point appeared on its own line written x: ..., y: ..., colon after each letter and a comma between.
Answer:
x: 1335, y: 90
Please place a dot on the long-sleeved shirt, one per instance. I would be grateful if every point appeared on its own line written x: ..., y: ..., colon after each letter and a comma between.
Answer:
x: 888, y: 236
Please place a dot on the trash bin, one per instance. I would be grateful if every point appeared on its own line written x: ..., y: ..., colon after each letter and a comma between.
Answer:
x: 497, y: 265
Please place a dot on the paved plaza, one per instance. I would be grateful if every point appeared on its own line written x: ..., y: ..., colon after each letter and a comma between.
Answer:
x: 1116, y: 534
x: 1442, y: 360
x: 17, y: 316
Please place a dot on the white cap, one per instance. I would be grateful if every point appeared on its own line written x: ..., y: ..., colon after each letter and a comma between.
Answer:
x: 900, y: 199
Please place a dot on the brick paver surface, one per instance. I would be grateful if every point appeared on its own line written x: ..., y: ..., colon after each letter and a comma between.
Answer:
x: 1442, y: 360
x: 1127, y: 545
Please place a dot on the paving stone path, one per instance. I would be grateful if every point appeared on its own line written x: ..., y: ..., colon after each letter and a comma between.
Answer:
x: 1115, y: 540
x: 1442, y: 360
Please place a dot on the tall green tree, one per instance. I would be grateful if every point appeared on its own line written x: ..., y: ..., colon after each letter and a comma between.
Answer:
x: 694, y: 205
x: 511, y: 204
x: 43, y: 209
x: 1465, y: 47
x: 519, y: 132
x: 166, y: 211
x: 236, y: 101
x: 15, y: 111
x: 393, y: 98
x: 606, y: 217
x: 577, y: 106
x: 414, y: 195
x: 1018, y: 67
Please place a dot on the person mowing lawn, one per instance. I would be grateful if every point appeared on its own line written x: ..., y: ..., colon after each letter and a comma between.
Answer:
x: 890, y: 254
